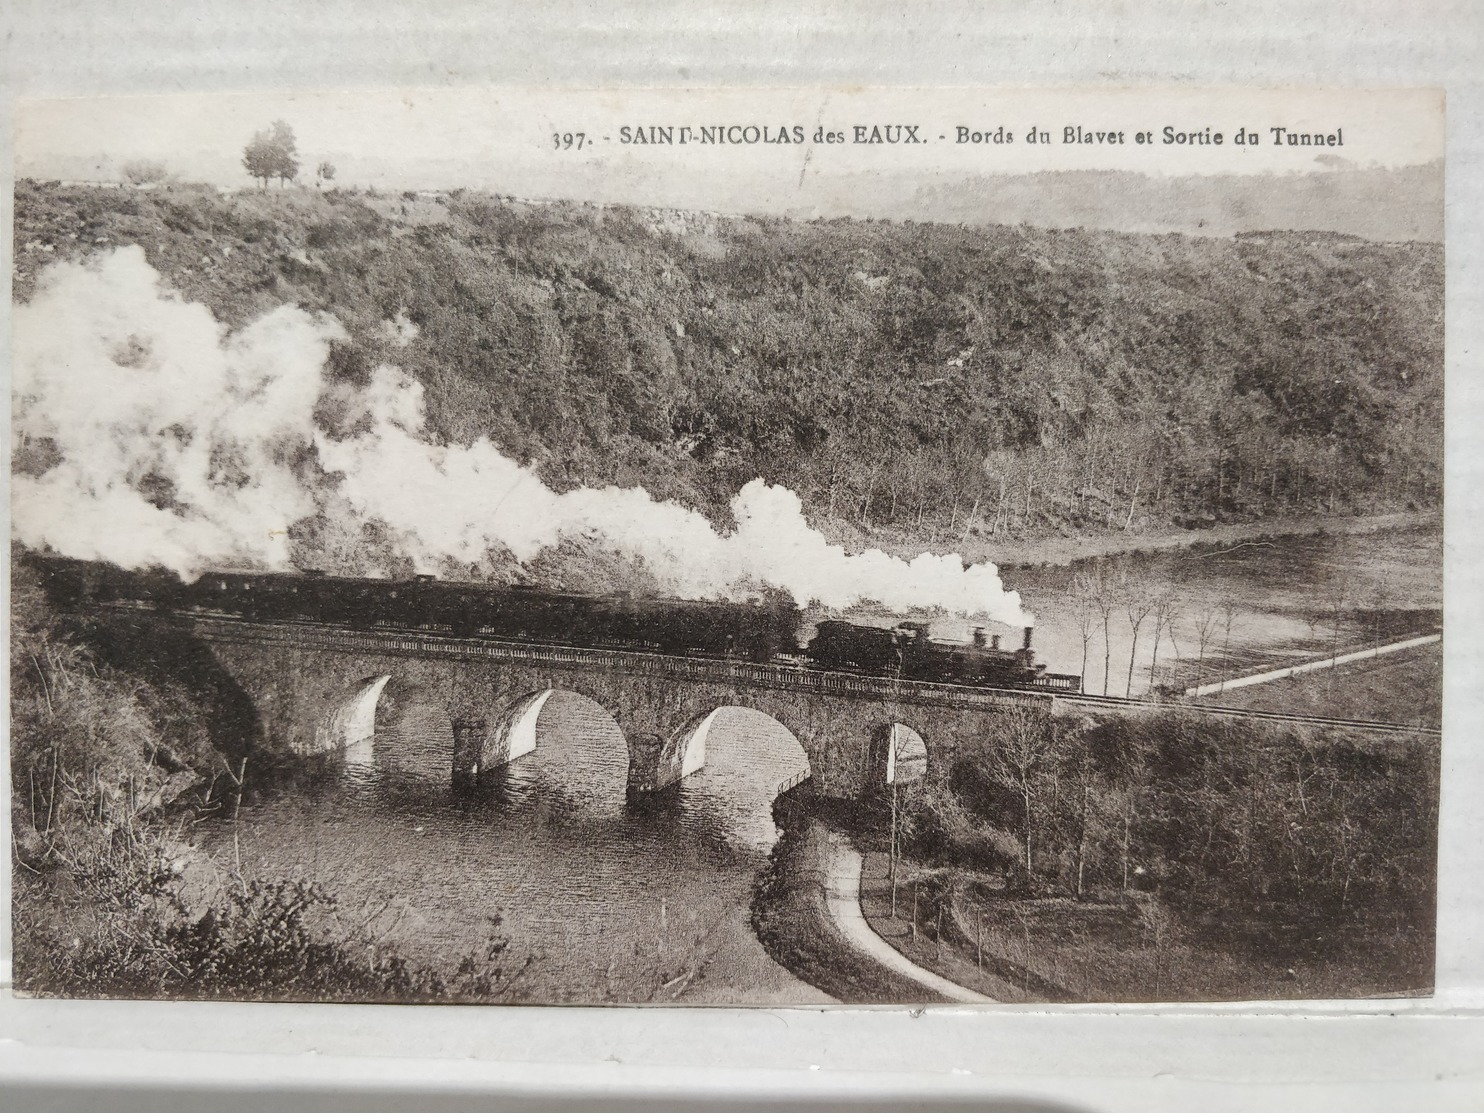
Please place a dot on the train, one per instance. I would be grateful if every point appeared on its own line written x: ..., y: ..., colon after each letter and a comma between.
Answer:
x: 907, y: 651
x: 763, y: 630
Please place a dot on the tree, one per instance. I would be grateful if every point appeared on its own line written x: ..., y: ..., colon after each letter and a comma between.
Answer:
x: 1106, y: 600
x: 288, y: 155
x: 1030, y: 741
x: 325, y: 172
x: 1138, y: 603
x: 1078, y: 758
x: 272, y: 154
x: 141, y: 172
x: 1205, y: 632
x: 1380, y: 604
x: 1087, y: 592
x: 1337, y: 598
x: 1165, y: 609
x: 1229, y: 606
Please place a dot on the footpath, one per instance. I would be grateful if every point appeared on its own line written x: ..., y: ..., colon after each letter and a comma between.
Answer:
x: 1225, y: 685
x: 842, y: 882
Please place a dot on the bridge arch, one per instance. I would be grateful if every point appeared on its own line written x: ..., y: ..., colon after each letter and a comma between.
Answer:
x: 390, y: 720
x: 903, y: 755
x: 743, y: 735
x: 353, y: 719
x: 561, y: 749
x: 738, y: 760
x: 484, y: 745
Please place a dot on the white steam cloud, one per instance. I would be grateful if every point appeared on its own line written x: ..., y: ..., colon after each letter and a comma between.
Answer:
x: 156, y: 437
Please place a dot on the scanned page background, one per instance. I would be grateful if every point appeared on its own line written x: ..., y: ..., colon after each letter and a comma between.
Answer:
x: 1077, y: 1056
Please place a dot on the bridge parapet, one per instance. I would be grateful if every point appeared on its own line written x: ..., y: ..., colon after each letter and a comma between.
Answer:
x: 679, y: 668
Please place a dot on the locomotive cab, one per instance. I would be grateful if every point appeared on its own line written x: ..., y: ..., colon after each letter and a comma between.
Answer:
x: 913, y: 631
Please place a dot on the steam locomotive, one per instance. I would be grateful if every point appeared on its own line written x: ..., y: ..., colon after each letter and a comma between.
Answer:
x: 908, y: 652
x: 764, y: 630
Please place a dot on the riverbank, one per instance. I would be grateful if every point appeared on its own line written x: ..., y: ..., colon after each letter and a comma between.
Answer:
x: 1131, y: 947
x: 1062, y: 550
x: 962, y: 951
x: 1206, y: 862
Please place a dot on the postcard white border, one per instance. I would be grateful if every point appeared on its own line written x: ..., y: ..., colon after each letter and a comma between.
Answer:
x: 1365, y: 1055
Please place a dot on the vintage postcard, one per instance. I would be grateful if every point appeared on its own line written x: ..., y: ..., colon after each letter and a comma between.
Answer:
x: 771, y: 547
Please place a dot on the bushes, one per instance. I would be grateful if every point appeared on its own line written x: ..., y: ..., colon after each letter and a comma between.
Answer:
x: 111, y: 899
x: 136, y: 934
x: 1241, y: 826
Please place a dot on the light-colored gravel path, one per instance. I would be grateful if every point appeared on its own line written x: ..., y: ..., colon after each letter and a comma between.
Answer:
x: 843, y: 894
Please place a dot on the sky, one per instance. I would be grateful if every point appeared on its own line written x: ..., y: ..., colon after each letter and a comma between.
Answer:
x: 969, y: 145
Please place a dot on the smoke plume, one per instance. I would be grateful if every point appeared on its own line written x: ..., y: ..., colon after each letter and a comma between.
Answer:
x: 148, y: 434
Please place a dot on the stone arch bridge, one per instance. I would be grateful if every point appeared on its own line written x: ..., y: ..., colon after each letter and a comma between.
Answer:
x: 308, y: 688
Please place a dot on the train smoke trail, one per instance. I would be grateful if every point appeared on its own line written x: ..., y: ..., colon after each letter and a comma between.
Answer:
x: 148, y: 434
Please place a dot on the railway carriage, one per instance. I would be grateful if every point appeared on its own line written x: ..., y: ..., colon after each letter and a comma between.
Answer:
x: 762, y: 631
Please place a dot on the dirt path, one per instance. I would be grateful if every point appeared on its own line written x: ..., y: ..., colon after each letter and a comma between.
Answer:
x: 842, y: 891
x: 1224, y: 685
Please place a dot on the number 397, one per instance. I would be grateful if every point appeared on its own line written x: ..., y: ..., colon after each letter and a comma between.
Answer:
x: 565, y: 141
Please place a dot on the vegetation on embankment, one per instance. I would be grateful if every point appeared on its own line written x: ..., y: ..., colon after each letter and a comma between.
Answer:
x: 1171, y: 857
x: 947, y: 386
x: 111, y: 897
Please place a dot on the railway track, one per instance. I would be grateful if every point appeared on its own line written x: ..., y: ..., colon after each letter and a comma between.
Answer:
x: 1111, y: 703
x: 777, y: 674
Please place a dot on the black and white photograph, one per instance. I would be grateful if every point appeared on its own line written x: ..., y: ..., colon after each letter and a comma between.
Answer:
x: 763, y: 548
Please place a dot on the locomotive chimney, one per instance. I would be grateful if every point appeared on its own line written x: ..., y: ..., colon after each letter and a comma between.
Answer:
x: 1028, y: 631
x: 979, y: 638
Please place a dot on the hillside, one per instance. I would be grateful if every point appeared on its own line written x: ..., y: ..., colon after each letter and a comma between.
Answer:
x: 910, y: 381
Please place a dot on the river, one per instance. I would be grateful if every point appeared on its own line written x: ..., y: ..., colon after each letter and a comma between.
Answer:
x: 1287, y: 600
x: 614, y: 901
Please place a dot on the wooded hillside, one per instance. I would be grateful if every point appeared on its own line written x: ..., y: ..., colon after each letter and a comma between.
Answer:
x: 931, y: 382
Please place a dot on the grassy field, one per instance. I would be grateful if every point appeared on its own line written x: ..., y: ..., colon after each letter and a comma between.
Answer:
x: 1404, y: 687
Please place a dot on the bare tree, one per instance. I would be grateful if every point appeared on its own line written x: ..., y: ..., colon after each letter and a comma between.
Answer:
x: 1029, y: 743
x: 1077, y: 750
x: 1380, y: 604
x: 1087, y: 591
x: 1336, y: 597
x: 999, y: 465
x: 1206, y: 623
x: 1164, y: 614
x: 1105, y: 602
x: 1228, y: 614
x: 1138, y: 603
